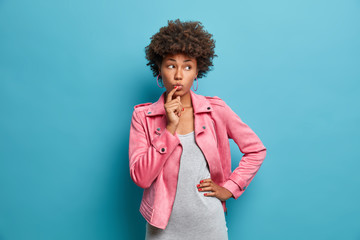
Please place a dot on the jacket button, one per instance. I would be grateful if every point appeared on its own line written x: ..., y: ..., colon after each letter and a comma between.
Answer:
x: 158, y: 129
x: 204, y: 127
x: 149, y: 112
x: 163, y: 149
x: 208, y: 108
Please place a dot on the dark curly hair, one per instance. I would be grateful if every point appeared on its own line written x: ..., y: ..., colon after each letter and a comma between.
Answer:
x: 182, y: 37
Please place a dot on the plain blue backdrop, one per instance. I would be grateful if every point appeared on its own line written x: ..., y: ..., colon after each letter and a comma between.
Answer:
x: 71, y: 72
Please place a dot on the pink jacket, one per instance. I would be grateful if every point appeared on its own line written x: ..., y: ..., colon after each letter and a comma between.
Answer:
x: 154, y: 153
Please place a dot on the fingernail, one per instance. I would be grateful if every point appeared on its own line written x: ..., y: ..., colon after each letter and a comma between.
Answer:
x: 175, y: 87
x: 198, y: 185
x: 183, y: 109
x: 205, y: 194
x: 201, y: 181
x: 199, y: 189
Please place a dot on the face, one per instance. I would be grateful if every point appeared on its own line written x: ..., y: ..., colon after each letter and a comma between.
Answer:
x: 178, y: 69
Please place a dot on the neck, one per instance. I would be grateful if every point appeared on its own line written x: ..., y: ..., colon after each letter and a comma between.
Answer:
x: 186, y: 100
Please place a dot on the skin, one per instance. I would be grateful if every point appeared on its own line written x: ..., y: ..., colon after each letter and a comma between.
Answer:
x: 181, y: 69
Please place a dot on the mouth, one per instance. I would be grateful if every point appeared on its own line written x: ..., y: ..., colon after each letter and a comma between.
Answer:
x: 179, y: 87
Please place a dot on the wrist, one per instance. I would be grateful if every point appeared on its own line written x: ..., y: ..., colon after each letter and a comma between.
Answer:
x: 171, y: 128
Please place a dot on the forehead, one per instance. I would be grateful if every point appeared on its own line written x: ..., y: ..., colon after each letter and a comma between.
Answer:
x: 179, y: 57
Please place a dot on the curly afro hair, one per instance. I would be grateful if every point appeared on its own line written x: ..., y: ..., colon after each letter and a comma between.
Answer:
x: 182, y: 37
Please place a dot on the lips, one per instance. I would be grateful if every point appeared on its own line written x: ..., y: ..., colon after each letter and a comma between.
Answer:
x: 179, y: 87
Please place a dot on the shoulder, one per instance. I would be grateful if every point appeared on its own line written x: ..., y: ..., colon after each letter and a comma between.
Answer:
x: 139, y: 109
x: 141, y: 105
x: 215, y: 100
x: 220, y: 106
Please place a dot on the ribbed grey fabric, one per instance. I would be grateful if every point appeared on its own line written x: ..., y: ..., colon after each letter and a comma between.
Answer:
x: 194, y: 216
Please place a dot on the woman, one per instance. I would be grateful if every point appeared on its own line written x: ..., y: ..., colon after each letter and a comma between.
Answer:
x: 179, y: 150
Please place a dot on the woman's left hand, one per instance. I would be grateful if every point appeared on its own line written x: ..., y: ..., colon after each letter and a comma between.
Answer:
x: 217, y: 191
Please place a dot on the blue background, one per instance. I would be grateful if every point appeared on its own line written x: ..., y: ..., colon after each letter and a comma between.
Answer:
x: 71, y: 72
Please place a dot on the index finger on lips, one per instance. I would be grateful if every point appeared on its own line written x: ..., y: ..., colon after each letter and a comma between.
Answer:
x: 170, y: 94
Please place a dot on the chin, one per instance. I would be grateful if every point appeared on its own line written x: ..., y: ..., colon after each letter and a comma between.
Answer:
x: 180, y: 93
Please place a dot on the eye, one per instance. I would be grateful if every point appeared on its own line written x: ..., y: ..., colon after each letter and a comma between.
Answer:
x: 188, y: 67
x: 170, y: 66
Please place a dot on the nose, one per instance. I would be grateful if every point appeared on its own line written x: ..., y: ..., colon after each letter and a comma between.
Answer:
x: 178, y: 74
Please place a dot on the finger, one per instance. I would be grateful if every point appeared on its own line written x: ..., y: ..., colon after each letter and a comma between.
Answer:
x: 204, y: 189
x: 206, y: 180
x: 179, y: 104
x: 180, y: 101
x: 173, y: 107
x: 170, y: 94
x: 204, y: 184
x: 172, y: 104
x: 210, y: 194
x: 176, y: 100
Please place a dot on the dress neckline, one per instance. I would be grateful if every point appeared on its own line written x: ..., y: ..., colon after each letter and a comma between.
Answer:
x: 184, y: 135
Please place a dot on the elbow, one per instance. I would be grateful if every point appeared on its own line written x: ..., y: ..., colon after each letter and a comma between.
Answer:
x: 142, y: 184
x: 263, y: 153
x: 139, y: 180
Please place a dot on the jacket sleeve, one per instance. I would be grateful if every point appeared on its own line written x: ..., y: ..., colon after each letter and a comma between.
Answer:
x: 250, y: 145
x: 147, y: 159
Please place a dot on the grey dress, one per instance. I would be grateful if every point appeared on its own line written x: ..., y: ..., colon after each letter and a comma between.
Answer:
x: 193, y: 216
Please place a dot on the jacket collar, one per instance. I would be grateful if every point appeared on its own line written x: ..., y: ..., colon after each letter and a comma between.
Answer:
x: 199, y: 102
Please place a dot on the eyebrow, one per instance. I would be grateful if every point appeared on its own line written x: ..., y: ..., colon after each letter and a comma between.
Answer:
x: 187, y: 60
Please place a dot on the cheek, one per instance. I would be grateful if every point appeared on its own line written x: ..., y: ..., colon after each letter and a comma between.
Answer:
x: 166, y: 73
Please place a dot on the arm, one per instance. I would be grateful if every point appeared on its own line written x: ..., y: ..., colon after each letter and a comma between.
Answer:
x: 146, y: 160
x: 250, y: 145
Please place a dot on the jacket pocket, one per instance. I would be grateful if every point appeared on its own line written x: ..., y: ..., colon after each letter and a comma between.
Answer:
x: 146, y: 209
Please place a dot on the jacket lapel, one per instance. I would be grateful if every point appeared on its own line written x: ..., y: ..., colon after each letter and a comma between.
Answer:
x: 156, y: 112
